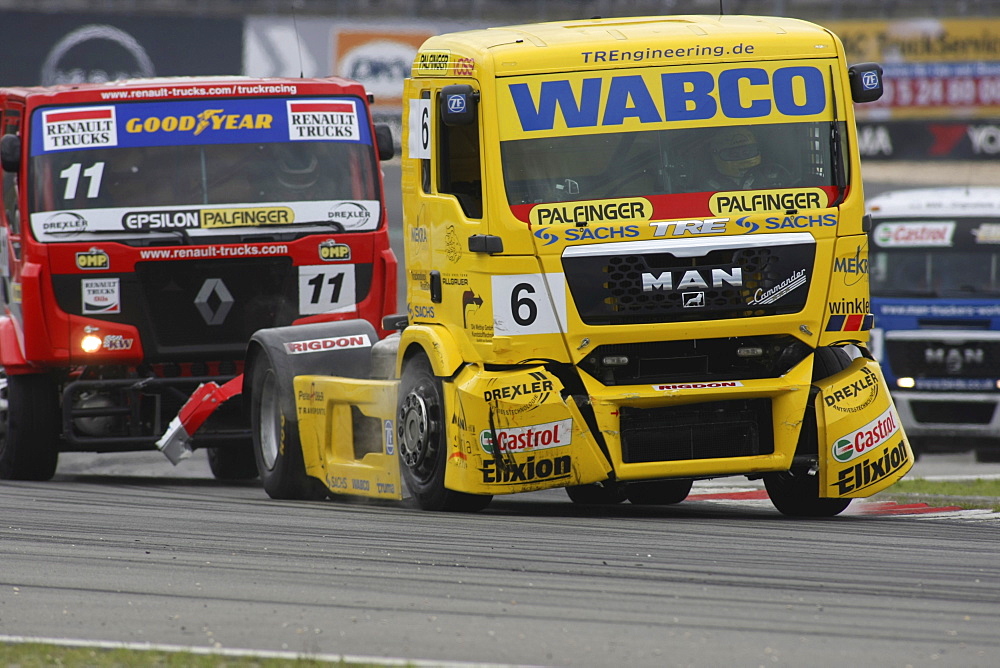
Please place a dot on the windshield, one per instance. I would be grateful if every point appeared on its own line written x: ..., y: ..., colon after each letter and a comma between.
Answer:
x: 202, y: 167
x: 936, y: 258
x: 665, y: 162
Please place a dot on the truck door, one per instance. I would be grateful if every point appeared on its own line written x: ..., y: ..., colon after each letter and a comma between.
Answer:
x: 10, y: 219
x: 448, y: 209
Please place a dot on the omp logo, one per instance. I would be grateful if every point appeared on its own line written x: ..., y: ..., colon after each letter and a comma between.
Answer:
x: 214, y: 119
x: 95, y: 258
x: 869, y: 436
x: 273, y: 215
x: 580, y: 213
x: 738, y: 93
x: 331, y: 251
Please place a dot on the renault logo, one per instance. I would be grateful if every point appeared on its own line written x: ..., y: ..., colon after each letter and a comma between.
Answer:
x: 214, y: 311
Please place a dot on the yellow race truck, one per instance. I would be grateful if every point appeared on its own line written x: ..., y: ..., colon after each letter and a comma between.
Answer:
x: 635, y: 257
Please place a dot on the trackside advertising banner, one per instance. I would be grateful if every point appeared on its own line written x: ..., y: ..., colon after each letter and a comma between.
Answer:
x: 935, y: 68
x: 646, y: 98
x: 184, y: 122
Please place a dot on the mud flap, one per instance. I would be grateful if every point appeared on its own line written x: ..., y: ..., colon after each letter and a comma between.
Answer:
x: 512, y: 431
x: 347, y: 431
x: 862, y: 447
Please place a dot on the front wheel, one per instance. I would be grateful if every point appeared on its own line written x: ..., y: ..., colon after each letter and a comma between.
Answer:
x: 658, y: 492
x: 29, y: 427
x: 276, y: 447
x: 598, y: 494
x: 233, y: 462
x: 423, y: 448
x: 796, y: 492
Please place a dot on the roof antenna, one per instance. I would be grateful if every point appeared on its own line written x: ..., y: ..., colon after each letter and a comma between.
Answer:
x: 298, y: 42
x: 721, y: 12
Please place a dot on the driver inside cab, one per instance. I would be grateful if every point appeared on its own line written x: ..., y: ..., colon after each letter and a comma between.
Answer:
x: 738, y: 165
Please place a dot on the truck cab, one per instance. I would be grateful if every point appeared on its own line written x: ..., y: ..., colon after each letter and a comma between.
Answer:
x: 150, y: 227
x: 628, y: 249
x: 934, y: 265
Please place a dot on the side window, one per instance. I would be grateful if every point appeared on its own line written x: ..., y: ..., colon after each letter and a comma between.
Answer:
x: 11, y: 124
x: 460, y: 172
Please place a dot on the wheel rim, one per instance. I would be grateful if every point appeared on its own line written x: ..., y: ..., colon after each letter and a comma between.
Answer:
x: 270, y: 421
x: 417, y: 434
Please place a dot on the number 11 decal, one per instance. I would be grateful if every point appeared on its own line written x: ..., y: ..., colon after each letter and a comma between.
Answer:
x: 326, y: 289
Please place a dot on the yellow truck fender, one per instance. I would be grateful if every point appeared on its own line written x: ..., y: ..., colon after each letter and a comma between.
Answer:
x: 437, y: 343
x: 862, y: 446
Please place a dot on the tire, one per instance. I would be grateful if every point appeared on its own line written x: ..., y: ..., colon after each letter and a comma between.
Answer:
x: 596, y: 495
x: 795, y: 493
x: 658, y: 492
x: 233, y: 462
x: 276, y: 447
x: 30, y: 422
x: 421, y: 438
x: 988, y: 455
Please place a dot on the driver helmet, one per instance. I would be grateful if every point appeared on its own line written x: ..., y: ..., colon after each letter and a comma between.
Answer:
x: 298, y: 168
x: 735, y: 151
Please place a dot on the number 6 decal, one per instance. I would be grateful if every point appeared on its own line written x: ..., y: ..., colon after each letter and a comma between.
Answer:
x: 529, y: 304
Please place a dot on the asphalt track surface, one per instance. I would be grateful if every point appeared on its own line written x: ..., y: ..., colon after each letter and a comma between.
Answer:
x: 126, y: 549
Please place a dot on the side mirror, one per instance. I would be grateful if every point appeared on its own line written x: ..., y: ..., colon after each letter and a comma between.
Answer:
x: 10, y: 153
x: 458, y: 104
x: 383, y: 141
x: 866, y: 81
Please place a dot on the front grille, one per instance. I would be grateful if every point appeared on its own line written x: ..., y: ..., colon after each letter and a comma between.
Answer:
x: 953, y: 412
x: 715, y: 430
x: 195, y: 310
x: 702, y: 360
x: 644, y: 282
x: 937, y: 358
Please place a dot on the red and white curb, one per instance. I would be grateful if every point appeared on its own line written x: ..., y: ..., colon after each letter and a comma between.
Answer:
x: 870, y: 507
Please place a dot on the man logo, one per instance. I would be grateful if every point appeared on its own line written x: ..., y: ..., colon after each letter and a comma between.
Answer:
x: 693, y: 299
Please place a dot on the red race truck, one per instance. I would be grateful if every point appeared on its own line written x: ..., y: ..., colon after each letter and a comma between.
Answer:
x: 149, y: 228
